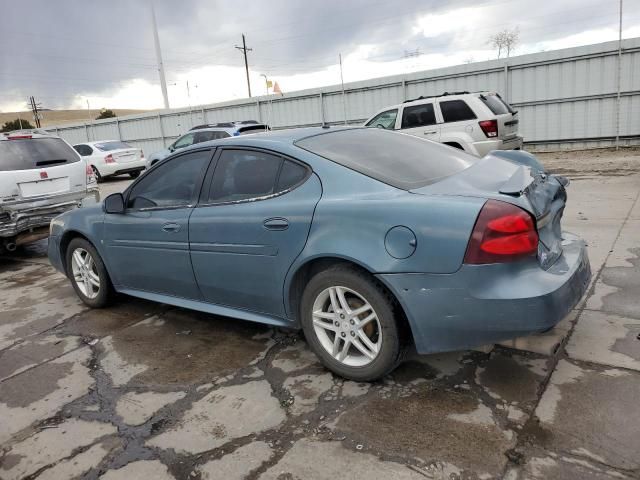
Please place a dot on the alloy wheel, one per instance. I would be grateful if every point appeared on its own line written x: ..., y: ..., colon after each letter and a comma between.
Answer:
x: 85, y: 273
x: 347, y: 326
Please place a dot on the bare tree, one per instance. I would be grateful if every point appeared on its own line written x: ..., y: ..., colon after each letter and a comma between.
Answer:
x: 505, y: 41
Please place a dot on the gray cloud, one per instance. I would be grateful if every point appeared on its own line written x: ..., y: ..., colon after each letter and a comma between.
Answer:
x: 55, y: 50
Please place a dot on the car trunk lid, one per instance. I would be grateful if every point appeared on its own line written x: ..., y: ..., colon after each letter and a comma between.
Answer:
x: 542, y: 195
x: 125, y: 155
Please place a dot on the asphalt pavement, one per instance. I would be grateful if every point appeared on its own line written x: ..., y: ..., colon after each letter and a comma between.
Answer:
x: 144, y: 390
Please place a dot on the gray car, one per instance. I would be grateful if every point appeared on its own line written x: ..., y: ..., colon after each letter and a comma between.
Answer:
x: 205, y: 133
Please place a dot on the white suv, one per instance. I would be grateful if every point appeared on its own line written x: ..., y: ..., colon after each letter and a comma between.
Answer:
x: 41, y: 176
x: 474, y: 122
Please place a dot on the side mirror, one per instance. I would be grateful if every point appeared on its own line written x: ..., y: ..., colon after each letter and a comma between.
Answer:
x: 171, y: 148
x: 114, y: 203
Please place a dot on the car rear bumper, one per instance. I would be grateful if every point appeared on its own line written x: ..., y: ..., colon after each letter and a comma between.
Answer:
x: 484, y: 304
x: 121, y: 168
x: 484, y: 147
x: 21, y: 217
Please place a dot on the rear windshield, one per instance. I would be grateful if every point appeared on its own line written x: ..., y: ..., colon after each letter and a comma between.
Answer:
x: 400, y: 160
x: 496, y: 104
x: 30, y: 153
x: 108, y: 146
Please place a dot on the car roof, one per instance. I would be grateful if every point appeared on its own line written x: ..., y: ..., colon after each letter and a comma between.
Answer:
x: 422, y: 99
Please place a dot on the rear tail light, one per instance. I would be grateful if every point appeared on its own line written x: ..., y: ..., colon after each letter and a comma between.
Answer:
x: 489, y: 127
x: 109, y: 159
x: 502, y: 233
x: 18, y: 137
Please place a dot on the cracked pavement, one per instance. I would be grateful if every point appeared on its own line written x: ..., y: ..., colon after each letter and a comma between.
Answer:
x: 144, y: 390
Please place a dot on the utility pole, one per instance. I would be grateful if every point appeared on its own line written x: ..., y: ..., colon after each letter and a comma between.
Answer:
x: 34, y: 109
x: 246, y: 63
x: 344, y: 104
x: 619, y: 79
x: 156, y: 41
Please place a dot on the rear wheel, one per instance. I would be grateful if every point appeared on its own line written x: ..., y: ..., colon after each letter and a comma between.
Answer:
x: 99, y: 178
x: 135, y: 174
x: 88, y: 274
x: 349, y: 321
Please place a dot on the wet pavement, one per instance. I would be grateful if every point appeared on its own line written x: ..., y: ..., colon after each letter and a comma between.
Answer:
x: 143, y: 390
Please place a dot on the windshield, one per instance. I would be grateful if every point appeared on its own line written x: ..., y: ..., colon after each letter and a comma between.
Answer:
x: 30, y: 153
x: 108, y: 146
x: 400, y: 160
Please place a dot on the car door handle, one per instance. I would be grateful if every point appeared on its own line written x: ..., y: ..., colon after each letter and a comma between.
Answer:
x: 276, y: 224
x: 171, y: 227
x: 427, y: 133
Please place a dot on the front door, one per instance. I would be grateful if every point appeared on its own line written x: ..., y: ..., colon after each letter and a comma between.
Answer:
x: 251, y: 225
x: 148, y: 245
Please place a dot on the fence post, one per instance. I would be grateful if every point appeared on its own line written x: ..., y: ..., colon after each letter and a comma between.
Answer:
x: 86, y: 132
x: 118, y: 127
x: 161, y: 130
x: 404, y: 90
x: 321, y: 108
x: 507, y: 93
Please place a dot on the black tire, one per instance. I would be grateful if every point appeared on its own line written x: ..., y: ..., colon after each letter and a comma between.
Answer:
x: 105, y: 292
x: 134, y: 174
x: 99, y: 178
x: 392, y: 346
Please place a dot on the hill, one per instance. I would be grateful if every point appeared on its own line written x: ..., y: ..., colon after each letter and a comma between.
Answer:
x: 59, y: 117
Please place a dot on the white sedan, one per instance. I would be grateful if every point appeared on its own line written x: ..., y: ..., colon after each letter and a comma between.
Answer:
x: 112, y: 157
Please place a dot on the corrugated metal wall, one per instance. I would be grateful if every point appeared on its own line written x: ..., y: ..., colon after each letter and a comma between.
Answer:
x: 565, y: 98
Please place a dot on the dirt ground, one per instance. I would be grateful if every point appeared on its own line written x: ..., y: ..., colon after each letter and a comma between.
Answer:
x: 145, y: 390
x: 605, y: 162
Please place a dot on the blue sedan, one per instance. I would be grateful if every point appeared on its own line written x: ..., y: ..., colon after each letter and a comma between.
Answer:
x: 368, y: 240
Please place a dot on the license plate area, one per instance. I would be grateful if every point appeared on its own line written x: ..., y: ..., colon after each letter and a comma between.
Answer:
x: 38, y: 188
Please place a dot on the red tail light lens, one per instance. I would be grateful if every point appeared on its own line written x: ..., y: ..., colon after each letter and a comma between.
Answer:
x: 502, y: 233
x: 109, y: 159
x: 90, y: 176
x: 489, y: 127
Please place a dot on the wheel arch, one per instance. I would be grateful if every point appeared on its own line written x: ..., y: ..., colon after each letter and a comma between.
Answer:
x: 298, y: 279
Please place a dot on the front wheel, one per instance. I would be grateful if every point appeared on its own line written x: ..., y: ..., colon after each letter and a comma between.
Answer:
x: 350, y: 322
x: 88, y: 274
x: 135, y: 174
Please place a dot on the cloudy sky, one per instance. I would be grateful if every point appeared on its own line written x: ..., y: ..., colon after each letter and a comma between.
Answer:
x: 66, y: 52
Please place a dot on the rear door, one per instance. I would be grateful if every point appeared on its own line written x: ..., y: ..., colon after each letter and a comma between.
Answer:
x: 456, y: 115
x: 420, y: 120
x: 32, y: 168
x: 252, y: 223
x: 506, y: 116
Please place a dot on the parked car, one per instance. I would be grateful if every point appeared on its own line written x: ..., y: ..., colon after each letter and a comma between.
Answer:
x: 366, y: 239
x: 205, y: 133
x: 41, y: 176
x: 109, y: 158
x: 474, y: 122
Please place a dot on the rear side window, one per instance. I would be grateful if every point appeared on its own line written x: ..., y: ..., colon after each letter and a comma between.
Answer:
x: 456, y: 111
x: 84, y: 150
x: 496, y: 104
x: 291, y: 175
x: 418, y: 116
x: 109, y: 146
x: 384, y: 120
x: 30, y: 153
x: 403, y: 161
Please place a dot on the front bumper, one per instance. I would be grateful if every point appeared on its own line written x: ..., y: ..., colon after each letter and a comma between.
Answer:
x: 21, y: 217
x: 484, y: 304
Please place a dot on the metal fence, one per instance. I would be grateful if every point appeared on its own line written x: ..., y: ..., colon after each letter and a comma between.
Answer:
x: 566, y: 99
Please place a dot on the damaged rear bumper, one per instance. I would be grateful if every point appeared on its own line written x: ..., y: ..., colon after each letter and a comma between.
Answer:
x: 485, y: 304
x: 26, y: 221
